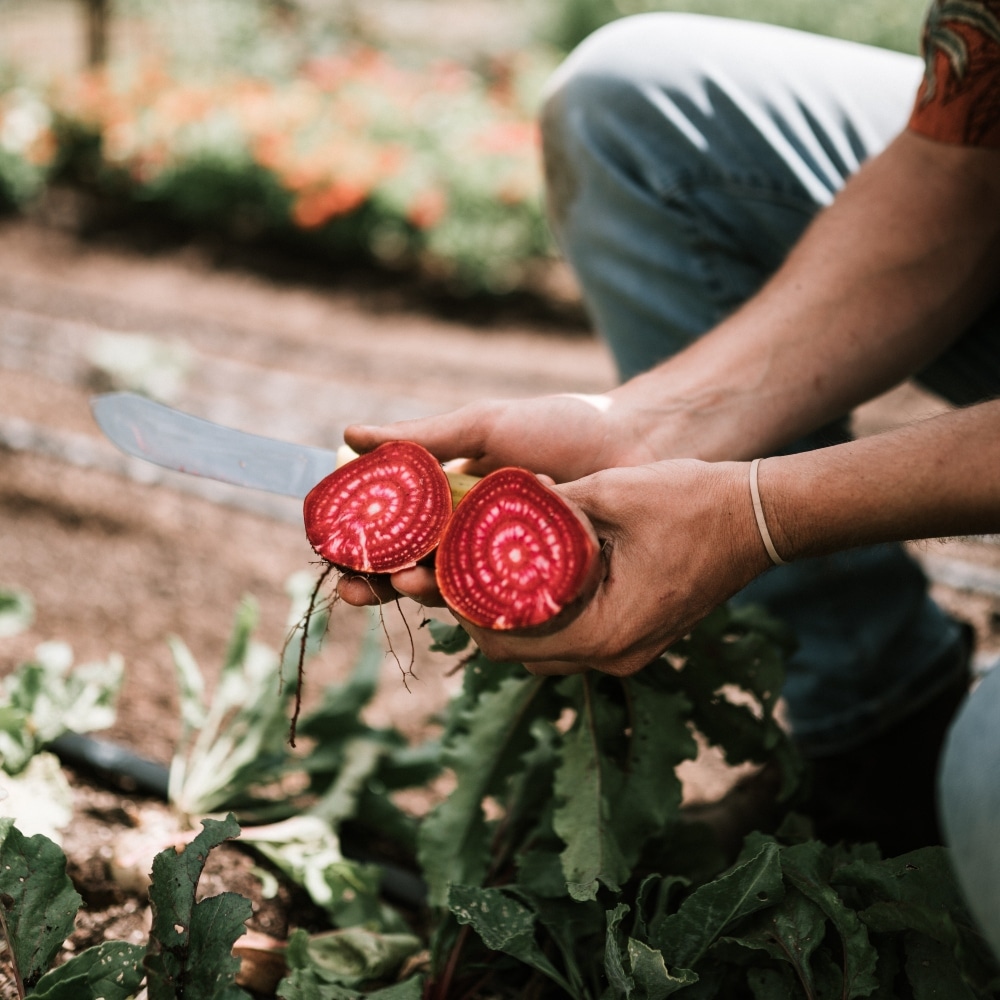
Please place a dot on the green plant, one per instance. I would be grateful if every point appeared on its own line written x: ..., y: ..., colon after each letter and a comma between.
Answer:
x: 234, y: 755
x: 27, y: 142
x: 563, y: 856
x: 47, y: 696
x: 189, y: 950
x: 561, y: 864
x: 232, y: 747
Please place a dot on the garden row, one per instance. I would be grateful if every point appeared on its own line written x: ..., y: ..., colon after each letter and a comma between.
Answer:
x: 353, y: 157
x: 560, y: 864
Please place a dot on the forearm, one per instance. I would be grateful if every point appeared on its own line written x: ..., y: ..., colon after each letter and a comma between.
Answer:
x: 879, y: 285
x: 932, y: 479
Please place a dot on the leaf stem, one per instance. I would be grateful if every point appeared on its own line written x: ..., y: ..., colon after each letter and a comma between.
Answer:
x: 444, y: 987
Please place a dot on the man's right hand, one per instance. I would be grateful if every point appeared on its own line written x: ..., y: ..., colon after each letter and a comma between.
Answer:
x: 565, y: 437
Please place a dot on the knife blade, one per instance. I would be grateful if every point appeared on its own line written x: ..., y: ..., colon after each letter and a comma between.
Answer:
x: 176, y: 440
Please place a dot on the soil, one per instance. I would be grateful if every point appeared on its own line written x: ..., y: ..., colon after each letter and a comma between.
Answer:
x: 119, y: 556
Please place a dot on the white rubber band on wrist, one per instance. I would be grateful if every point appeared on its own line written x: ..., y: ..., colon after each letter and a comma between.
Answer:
x: 758, y: 512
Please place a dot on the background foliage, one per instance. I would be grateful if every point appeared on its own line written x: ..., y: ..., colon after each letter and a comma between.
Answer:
x: 337, y: 128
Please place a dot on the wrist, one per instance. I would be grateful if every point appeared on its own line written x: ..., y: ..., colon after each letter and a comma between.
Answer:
x: 676, y: 423
x: 747, y: 553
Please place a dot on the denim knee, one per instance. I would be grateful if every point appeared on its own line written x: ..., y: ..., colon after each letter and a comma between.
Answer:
x: 969, y: 798
x: 617, y: 86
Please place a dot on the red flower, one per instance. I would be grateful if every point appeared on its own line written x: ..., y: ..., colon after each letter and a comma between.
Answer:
x: 316, y: 207
x: 427, y: 208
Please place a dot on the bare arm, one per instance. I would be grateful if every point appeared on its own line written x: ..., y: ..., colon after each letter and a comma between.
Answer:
x: 906, y: 257
x: 936, y: 478
x: 879, y: 285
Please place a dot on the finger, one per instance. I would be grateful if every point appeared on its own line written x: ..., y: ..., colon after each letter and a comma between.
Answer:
x: 597, y: 498
x: 448, y: 436
x: 361, y: 591
x: 419, y: 585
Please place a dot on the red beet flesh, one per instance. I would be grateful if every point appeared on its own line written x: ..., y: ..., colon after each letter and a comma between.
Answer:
x: 382, y: 512
x: 515, y: 555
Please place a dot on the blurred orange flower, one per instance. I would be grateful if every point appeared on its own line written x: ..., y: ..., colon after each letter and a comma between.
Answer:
x: 428, y: 208
x: 508, y: 137
x: 314, y: 208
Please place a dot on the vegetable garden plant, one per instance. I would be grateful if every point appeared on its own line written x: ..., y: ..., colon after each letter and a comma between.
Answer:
x: 561, y: 863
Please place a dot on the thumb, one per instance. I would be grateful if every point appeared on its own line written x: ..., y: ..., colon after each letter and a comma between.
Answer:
x: 448, y: 436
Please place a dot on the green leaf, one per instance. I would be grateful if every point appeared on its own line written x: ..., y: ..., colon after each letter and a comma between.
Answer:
x: 303, y: 984
x: 638, y: 972
x: 540, y: 873
x: 790, y: 932
x: 586, y: 783
x: 652, y: 978
x: 809, y: 868
x: 190, y: 947
x: 340, y: 802
x: 619, y: 980
x: 576, y: 930
x: 683, y: 937
x: 932, y: 971
x: 238, y: 741
x: 742, y: 648
x: 337, y: 963
x: 447, y: 638
x: 17, y: 612
x: 484, y: 747
x: 38, y: 899
x: 411, y: 989
x: 45, y: 698
x: 772, y: 984
x: 109, y: 971
x: 504, y: 924
x: 648, y: 798
x: 918, y: 892
x: 307, y: 849
x: 354, y: 955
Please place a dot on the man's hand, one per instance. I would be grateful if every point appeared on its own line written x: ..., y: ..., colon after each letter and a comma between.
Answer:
x: 565, y: 437
x: 679, y: 539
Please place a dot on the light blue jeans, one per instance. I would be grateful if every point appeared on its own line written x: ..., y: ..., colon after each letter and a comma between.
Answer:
x: 969, y: 803
x: 684, y: 157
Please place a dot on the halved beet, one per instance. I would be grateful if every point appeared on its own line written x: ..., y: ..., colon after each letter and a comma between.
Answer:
x: 515, y: 555
x: 382, y: 512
